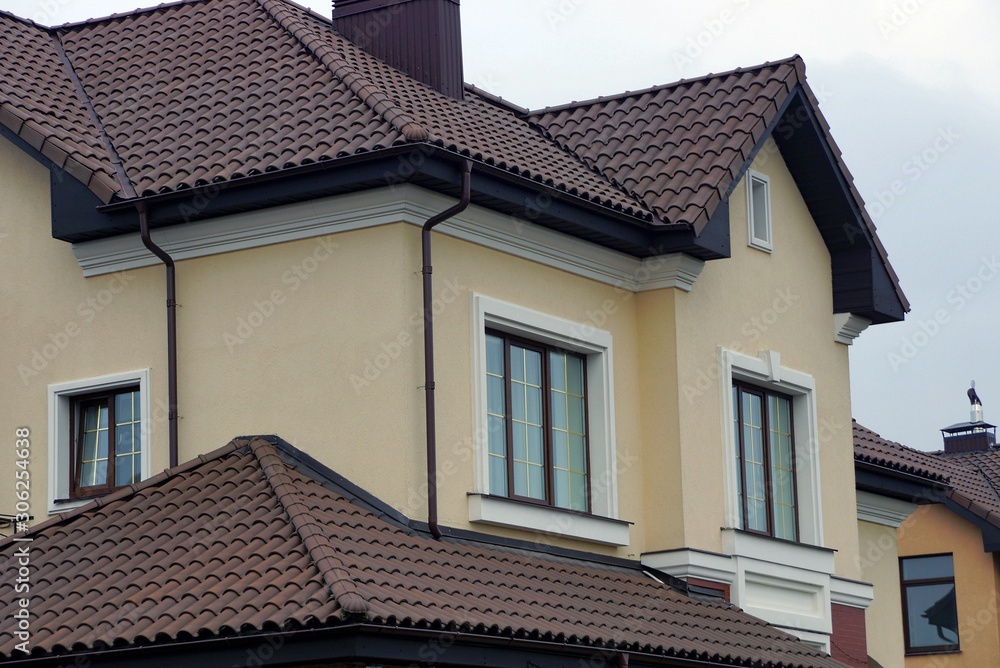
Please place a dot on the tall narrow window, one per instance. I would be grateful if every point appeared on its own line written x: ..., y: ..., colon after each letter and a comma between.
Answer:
x: 537, y: 414
x: 106, y: 450
x: 765, y: 457
x: 759, y: 210
x: 930, y: 610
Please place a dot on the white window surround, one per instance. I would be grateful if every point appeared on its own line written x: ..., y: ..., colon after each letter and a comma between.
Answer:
x: 767, y: 372
x: 60, y: 398
x: 764, y: 243
x: 602, y: 525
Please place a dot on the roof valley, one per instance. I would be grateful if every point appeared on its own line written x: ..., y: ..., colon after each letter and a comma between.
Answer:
x: 360, y: 85
x: 123, y: 180
x: 322, y: 552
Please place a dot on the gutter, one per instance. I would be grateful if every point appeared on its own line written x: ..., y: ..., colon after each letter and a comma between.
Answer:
x: 171, y: 329
x: 428, y: 289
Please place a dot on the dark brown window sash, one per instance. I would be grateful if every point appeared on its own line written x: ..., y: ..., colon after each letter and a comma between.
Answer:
x: 77, y: 406
x: 546, y: 411
x: 904, y: 585
x: 770, y: 504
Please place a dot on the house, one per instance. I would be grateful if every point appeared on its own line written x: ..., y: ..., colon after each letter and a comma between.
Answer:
x: 608, y: 338
x: 929, y: 526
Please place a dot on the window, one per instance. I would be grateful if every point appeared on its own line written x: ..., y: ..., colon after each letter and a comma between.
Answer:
x: 106, y: 451
x: 930, y: 612
x: 537, y: 415
x: 99, y: 436
x: 559, y: 375
x: 759, y: 210
x: 765, y: 461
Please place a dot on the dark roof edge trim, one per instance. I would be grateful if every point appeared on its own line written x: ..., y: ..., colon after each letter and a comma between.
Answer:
x: 990, y: 531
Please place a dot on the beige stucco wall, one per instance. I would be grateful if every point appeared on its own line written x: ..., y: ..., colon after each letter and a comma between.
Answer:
x: 279, y: 339
x: 879, y: 561
x: 932, y: 529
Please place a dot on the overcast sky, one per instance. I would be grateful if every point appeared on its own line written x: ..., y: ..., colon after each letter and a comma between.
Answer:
x: 910, y: 90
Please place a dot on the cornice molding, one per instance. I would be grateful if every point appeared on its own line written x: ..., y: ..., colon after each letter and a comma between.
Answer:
x: 383, y: 206
x: 847, y: 327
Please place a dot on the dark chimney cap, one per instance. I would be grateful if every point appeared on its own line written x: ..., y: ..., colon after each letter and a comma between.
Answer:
x: 968, y: 426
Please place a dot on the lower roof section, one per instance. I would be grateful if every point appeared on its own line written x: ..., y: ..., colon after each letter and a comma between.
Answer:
x: 258, y: 548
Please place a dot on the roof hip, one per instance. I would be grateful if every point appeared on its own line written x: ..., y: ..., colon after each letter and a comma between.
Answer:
x: 322, y: 552
x: 360, y: 85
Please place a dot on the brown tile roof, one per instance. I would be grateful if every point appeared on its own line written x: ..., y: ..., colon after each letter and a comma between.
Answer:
x: 678, y: 147
x: 974, y: 477
x: 247, y: 540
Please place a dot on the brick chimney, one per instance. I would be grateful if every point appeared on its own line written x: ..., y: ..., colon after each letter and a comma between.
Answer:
x: 974, y: 435
x: 420, y: 37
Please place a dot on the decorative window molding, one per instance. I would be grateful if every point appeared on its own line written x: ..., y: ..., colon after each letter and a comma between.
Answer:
x: 60, y: 440
x: 759, y: 211
x: 767, y: 372
x: 596, y: 346
x: 847, y: 327
x: 383, y: 206
x: 547, y: 521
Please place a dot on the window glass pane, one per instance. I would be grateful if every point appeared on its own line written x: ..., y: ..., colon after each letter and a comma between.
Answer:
x: 520, y: 478
x: 560, y: 449
x: 533, y: 367
x: 123, y: 440
x: 498, y: 475
x: 123, y: 408
x: 87, y: 474
x: 578, y: 453
x: 90, y: 418
x: 497, y: 436
x: 576, y: 413
x: 759, y: 205
x: 578, y: 491
x: 574, y: 374
x: 518, y: 408
x: 494, y: 355
x: 102, y: 443
x: 932, y: 615
x: 562, y: 492
x: 520, y: 441
x: 557, y: 371
x: 536, y: 482
x: 123, y: 469
x: 927, y: 568
x: 517, y: 363
x: 89, y: 450
x: 560, y: 417
x: 535, y: 454
x: 533, y: 399
x: 495, y: 395
x: 101, y: 473
x: 102, y: 417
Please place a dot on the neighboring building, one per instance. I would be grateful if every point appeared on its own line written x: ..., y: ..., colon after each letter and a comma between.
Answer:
x: 930, y: 533
x: 637, y: 410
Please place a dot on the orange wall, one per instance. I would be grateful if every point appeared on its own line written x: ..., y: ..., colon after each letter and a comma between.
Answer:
x: 932, y: 529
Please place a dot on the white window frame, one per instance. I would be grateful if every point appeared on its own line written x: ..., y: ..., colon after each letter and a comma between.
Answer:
x: 753, y: 240
x: 601, y: 524
x: 767, y: 373
x: 60, y: 402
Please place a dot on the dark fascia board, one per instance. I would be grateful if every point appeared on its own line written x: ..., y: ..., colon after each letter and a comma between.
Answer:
x: 365, y: 643
x: 71, y: 201
x: 862, y: 283
x: 991, y: 533
x: 422, y: 164
x: 897, y: 484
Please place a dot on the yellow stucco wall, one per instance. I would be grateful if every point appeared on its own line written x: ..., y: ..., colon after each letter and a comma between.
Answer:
x: 932, y: 529
x: 275, y: 339
x: 879, y: 562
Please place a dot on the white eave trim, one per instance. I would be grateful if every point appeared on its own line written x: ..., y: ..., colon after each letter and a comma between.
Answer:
x: 851, y: 593
x: 547, y: 521
x: 383, y: 206
x: 847, y: 327
x: 883, y: 510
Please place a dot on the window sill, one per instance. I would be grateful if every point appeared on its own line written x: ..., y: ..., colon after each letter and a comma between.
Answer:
x: 932, y: 652
x: 548, y: 521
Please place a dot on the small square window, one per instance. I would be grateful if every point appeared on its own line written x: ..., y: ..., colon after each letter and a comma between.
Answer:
x: 106, y: 448
x: 759, y: 211
x: 930, y: 610
x: 99, y: 432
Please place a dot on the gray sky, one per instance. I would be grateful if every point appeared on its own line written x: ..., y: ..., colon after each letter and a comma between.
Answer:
x: 910, y: 89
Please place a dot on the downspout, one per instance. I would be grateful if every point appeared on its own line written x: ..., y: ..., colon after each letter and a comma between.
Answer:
x: 427, y: 271
x: 171, y: 330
